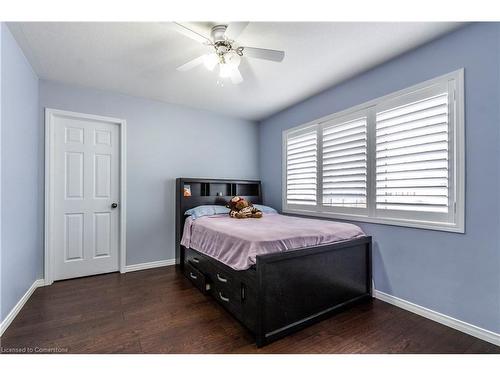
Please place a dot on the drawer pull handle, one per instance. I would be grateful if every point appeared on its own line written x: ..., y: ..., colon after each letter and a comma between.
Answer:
x: 225, y: 299
x: 193, y: 276
x: 195, y: 260
x: 221, y: 279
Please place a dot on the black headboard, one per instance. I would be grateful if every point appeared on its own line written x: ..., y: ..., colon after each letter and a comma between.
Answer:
x: 208, y: 191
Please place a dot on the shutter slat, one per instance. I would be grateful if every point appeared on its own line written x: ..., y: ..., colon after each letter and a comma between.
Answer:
x: 413, y: 141
x: 302, y: 165
x: 302, y: 159
x: 302, y: 185
x: 296, y: 173
x: 355, y: 202
x: 306, y: 197
x: 409, y: 134
x: 412, y: 134
x: 348, y: 165
x: 438, y: 119
x: 309, y: 177
x: 344, y: 159
x: 360, y: 129
x: 344, y: 146
x: 415, y: 106
x: 413, y: 116
x: 413, y: 207
x: 306, y: 192
x: 340, y: 191
x: 302, y: 202
x: 348, y: 151
x: 301, y: 138
x: 417, y: 181
x: 410, y: 150
x: 345, y: 172
x: 343, y: 140
x: 424, y: 190
x: 345, y: 126
x: 302, y: 149
x: 306, y: 154
x: 356, y: 177
x: 438, y: 172
x: 414, y: 166
x: 412, y: 156
x: 309, y: 143
x: 414, y: 199
x: 344, y: 185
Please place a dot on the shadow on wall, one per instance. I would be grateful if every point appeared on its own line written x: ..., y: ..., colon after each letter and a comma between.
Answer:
x: 170, y: 194
x: 378, y: 263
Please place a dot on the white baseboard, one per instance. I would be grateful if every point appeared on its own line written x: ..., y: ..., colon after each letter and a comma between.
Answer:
x: 19, y: 305
x: 446, y: 320
x: 145, y: 266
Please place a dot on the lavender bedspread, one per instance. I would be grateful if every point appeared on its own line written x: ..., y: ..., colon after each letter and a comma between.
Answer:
x: 237, y: 242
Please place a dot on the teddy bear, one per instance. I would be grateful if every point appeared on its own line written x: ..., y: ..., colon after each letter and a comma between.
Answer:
x: 242, y: 209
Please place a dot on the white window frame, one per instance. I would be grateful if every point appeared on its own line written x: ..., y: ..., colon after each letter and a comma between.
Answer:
x: 456, y: 221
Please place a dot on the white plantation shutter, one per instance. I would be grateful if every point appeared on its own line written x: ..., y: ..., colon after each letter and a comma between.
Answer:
x: 301, y: 167
x: 412, y: 156
x: 344, y: 155
x: 397, y: 160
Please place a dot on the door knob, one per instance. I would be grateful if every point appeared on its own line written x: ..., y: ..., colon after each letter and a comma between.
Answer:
x: 114, y: 205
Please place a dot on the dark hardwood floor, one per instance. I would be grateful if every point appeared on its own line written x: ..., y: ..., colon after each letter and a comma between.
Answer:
x: 158, y: 311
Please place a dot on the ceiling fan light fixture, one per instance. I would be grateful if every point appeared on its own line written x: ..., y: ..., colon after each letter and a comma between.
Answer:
x: 232, y: 58
x: 225, y: 70
x: 210, y: 60
x: 225, y: 53
x: 229, y: 63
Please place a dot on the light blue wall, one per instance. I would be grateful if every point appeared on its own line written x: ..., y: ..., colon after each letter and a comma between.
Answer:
x: 165, y: 141
x: 455, y: 274
x: 22, y: 220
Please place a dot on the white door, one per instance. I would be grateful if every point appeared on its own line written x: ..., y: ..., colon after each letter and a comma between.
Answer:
x: 85, y: 197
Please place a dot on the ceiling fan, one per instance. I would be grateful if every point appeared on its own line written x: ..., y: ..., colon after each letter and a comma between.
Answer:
x: 225, y: 52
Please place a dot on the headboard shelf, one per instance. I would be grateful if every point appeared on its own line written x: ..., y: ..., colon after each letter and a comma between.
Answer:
x: 203, y: 191
x: 247, y: 189
x: 220, y: 189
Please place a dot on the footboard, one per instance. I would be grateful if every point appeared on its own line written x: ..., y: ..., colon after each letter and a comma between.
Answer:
x: 300, y: 287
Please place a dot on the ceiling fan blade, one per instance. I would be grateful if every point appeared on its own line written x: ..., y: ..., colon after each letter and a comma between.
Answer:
x: 234, y: 29
x: 235, y: 76
x: 190, y: 33
x: 191, y: 64
x: 265, y: 54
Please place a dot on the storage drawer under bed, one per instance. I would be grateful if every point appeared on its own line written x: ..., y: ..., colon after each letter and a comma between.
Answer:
x: 197, y: 277
x: 226, y: 286
x: 230, y: 299
x: 197, y: 260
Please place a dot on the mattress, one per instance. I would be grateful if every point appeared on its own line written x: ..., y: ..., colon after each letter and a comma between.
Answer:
x: 237, y: 242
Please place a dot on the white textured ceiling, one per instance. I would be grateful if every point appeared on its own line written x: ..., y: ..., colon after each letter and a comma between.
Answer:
x: 140, y: 59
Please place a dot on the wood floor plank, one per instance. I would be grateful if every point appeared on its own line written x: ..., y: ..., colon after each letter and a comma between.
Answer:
x: 159, y: 311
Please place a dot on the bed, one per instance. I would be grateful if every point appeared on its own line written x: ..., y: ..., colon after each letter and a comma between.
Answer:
x: 276, y: 274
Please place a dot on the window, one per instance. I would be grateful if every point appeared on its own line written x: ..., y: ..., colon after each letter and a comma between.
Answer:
x: 301, y: 176
x: 344, y: 160
x: 396, y: 160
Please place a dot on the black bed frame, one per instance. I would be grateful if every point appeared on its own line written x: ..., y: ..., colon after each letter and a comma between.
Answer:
x: 283, y: 292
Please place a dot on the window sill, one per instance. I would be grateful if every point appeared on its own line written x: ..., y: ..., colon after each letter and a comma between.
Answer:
x: 430, y: 225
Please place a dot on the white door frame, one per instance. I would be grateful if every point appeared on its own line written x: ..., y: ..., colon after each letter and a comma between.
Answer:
x: 49, y: 258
